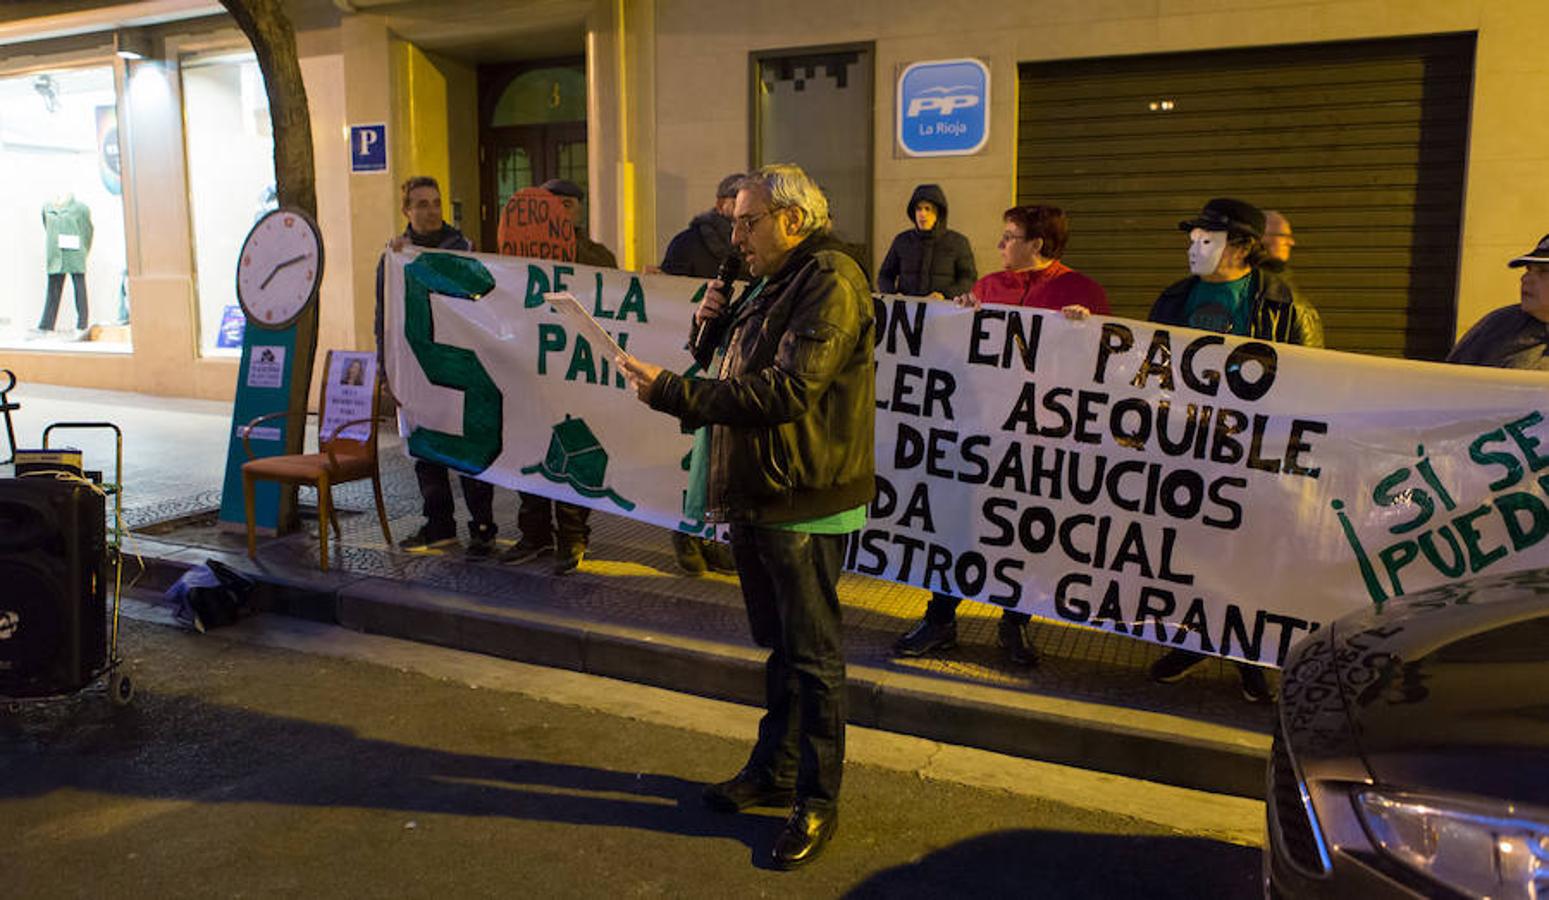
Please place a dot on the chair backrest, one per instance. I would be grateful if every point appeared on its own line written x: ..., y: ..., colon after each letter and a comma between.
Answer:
x: 350, y: 396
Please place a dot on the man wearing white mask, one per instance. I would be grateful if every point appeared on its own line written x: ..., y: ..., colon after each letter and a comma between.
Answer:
x: 1232, y: 291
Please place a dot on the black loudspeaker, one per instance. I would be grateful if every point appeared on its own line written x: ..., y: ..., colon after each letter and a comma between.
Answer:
x: 53, y: 610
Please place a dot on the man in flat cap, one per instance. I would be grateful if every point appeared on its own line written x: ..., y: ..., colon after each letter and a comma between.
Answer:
x: 1230, y: 289
x: 554, y: 526
x: 1515, y: 336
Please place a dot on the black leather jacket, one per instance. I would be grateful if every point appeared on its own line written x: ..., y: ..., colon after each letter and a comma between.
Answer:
x: 794, y: 412
x: 1280, y: 312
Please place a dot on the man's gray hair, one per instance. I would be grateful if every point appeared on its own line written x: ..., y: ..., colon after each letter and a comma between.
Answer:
x: 789, y: 187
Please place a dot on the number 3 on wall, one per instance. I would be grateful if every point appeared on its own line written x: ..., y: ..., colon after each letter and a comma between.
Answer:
x: 452, y: 367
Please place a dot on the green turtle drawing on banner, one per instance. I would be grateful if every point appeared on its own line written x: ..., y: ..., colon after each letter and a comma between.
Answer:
x: 575, y: 457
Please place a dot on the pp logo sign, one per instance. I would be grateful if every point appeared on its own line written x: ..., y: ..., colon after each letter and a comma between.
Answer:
x: 10, y: 623
x: 943, y: 107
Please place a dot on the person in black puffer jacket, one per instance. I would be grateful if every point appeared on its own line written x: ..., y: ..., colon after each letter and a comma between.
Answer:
x: 699, y: 249
x: 928, y: 260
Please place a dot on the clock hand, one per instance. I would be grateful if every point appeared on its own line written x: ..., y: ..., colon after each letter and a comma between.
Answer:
x: 289, y: 262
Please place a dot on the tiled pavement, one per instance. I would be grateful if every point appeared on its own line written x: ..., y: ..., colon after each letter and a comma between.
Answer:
x: 629, y: 585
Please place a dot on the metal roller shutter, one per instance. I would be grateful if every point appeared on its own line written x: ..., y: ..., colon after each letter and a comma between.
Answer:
x: 1361, y: 145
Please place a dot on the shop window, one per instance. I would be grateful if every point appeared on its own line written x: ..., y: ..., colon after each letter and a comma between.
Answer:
x: 230, y: 148
x: 62, y: 245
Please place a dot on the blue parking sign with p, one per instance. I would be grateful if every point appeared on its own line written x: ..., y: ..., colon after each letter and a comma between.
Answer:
x: 368, y: 148
x: 943, y: 107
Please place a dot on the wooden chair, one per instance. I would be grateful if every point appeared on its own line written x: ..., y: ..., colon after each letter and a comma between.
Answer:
x: 339, y: 459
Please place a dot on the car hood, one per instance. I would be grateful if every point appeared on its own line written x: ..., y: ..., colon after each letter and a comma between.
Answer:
x: 1447, y: 691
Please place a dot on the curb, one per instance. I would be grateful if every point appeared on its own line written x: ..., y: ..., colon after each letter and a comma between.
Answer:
x: 1119, y: 740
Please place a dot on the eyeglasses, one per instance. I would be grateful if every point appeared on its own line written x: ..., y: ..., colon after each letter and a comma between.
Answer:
x: 746, y: 223
x: 1007, y: 237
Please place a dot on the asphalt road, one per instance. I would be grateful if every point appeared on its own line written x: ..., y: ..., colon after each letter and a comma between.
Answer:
x: 245, y: 769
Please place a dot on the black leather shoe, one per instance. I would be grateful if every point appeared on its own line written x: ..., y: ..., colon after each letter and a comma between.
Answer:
x: 718, y: 557
x: 927, y: 637
x: 805, y: 835
x: 567, y: 558
x: 1255, y: 687
x: 745, y: 790
x: 1011, y: 635
x: 686, y: 549
x: 1174, y: 664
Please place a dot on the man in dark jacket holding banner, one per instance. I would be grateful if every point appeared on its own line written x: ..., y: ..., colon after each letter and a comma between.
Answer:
x: 1232, y: 290
x: 427, y: 229
x: 928, y: 260
x: 791, y: 469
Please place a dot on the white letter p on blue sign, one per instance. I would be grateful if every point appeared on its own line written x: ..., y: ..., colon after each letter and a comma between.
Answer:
x: 368, y: 148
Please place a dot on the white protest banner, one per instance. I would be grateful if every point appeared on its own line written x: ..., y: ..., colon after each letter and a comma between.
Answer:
x: 1192, y: 489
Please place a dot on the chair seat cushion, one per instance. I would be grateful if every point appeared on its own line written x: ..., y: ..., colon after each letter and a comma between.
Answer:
x: 310, y: 467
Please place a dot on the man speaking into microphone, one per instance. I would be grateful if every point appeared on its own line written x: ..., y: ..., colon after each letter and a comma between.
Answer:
x: 791, y: 469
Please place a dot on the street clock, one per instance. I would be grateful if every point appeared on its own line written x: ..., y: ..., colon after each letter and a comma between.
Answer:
x: 279, y: 268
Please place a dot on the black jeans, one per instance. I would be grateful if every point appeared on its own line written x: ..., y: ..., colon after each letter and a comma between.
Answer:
x: 436, y: 490
x: 790, y: 587
x: 943, y: 609
x: 56, y: 287
x: 542, y: 521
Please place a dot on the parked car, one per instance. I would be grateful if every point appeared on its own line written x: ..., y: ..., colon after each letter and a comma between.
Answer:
x: 1411, y: 756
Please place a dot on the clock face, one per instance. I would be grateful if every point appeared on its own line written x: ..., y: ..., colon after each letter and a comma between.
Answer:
x: 279, y: 268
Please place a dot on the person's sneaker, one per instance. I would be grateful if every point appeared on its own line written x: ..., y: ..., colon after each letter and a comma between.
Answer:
x: 1175, y: 664
x: 525, y: 550
x: 1012, y: 637
x: 686, y: 549
x: 1255, y: 687
x: 428, y: 538
x: 480, y: 546
x: 568, y: 558
x: 718, y: 557
x: 927, y: 637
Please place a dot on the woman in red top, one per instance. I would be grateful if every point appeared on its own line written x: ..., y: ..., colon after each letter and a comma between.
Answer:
x: 1034, y: 276
x: 1031, y: 246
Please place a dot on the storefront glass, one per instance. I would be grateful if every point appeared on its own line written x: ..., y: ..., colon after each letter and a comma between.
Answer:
x: 230, y: 147
x: 62, y: 245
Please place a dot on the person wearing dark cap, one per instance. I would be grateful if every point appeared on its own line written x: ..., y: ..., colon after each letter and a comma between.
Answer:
x: 699, y: 249
x: 1515, y: 336
x: 587, y: 251
x: 928, y: 260
x: 553, y: 525
x: 1230, y: 289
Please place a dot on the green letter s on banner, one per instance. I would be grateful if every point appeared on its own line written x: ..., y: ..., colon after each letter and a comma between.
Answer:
x: 452, y: 367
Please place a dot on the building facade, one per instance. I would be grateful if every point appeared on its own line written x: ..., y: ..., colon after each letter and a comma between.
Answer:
x: 1399, y: 137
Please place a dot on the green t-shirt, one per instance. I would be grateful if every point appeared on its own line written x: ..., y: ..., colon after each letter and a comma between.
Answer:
x: 838, y: 523
x: 1224, y: 306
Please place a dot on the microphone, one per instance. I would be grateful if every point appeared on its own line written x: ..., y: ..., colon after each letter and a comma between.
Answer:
x: 730, y: 268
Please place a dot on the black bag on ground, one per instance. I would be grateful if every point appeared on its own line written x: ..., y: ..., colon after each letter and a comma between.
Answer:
x: 210, y: 595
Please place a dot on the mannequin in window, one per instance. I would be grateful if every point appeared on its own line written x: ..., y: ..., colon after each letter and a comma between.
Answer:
x: 67, y: 230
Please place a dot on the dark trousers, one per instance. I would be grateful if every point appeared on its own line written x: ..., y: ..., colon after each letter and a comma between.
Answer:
x: 436, y: 490
x: 56, y: 287
x: 790, y: 587
x: 545, y: 521
x: 943, y: 609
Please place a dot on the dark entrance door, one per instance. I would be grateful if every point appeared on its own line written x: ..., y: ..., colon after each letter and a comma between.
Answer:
x: 533, y: 128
